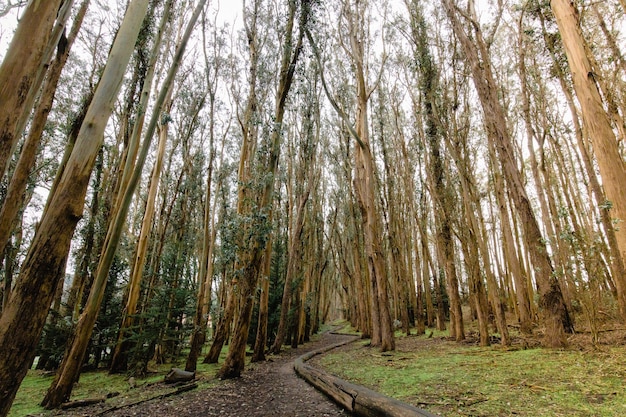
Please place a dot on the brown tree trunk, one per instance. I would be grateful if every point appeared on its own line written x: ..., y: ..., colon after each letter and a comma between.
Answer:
x: 14, y: 199
x: 62, y: 385
x: 295, y: 247
x: 261, y: 332
x: 555, y: 314
x: 596, y: 121
x: 223, y: 325
x: 21, y: 323
x: 250, y: 257
x: 21, y: 69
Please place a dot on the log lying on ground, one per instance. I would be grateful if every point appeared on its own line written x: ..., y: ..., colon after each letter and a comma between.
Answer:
x: 357, y: 399
x: 179, y: 375
x: 81, y: 403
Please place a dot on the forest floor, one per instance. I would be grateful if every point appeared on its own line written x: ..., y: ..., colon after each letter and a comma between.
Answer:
x: 463, y: 379
x: 429, y: 371
x: 269, y: 388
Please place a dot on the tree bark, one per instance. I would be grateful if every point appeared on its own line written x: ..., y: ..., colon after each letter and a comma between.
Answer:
x: 14, y: 199
x: 21, y: 69
x: 62, y: 385
x: 251, y: 256
x: 596, y: 121
x: 22, y: 321
x: 555, y: 314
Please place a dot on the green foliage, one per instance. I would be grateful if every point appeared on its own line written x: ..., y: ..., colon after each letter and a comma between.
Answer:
x: 52, y: 342
x: 277, y: 280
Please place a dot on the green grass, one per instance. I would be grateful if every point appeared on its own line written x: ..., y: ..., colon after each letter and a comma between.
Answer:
x: 100, y: 383
x: 456, y: 380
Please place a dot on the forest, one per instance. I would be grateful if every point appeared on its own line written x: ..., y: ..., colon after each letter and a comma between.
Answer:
x: 181, y: 176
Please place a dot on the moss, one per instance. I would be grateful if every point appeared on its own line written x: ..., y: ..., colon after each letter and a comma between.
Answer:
x: 457, y: 380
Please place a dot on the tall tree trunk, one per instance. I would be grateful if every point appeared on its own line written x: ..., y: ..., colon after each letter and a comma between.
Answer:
x: 21, y: 323
x: 119, y: 358
x: 295, y: 252
x: 251, y: 257
x: 22, y: 69
x: 596, y: 121
x: 555, y: 314
x: 62, y: 385
x: 429, y: 87
x: 261, y: 332
x: 14, y: 199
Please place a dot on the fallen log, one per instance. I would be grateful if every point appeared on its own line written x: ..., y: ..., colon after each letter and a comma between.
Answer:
x: 179, y: 375
x: 81, y: 403
x: 359, y: 400
x: 179, y: 390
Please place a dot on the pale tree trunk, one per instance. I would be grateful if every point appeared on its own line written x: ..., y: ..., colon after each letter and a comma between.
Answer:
x: 396, y: 232
x: 555, y: 314
x: 21, y: 71
x: 295, y: 250
x: 596, y: 121
x: 261, y: 332
x: 224, y: 322
x: 512, y: 261
x: 365, y: 178
x: 209, y: 232
x: 476, y: 243
x: 251, y: 257
x: 118, y: 360
x: 430, y: 89
x: 65, y: 378
x: 542, y: 182
x: 14, y: 198
x: 617, y: 264
x: 21, y: 323
x: 303, y: 185
x: 419, y: 288
x: 205, y: 275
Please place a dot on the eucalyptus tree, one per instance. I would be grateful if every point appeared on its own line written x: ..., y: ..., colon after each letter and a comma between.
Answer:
x: 299, y: 187
x: 213, y: 46
x: 118, y: 361
x: 435, y: 118
x: 250, y: 254
x: 555, y: 315
x: 597, y: 124
x: 22, y: 321
x: 14, y: 199
x: 355, y: 40
x: 558, y: 66
x: 23, y: 67
x: 65, y: 378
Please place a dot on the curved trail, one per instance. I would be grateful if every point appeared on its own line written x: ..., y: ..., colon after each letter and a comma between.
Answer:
x: 265, y: 389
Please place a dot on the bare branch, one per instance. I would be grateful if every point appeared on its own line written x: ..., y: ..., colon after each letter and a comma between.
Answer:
x: 333, y: 102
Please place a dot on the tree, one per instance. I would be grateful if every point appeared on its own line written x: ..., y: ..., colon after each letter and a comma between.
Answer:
x: 596, y: 121
x: 65, y: 378
x: 22, y: 70
x: 118, y: 360
x: 353, y: 23
x: 434, y: 115
x: 23, y: 319
x: 250, y: 254
x: 555, y: 314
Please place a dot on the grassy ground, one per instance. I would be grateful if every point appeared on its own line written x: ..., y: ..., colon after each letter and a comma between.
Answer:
x: 99, y: 384
x: 453, y: 379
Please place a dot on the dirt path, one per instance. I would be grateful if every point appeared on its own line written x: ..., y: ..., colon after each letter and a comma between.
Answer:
x: 265, y: 389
